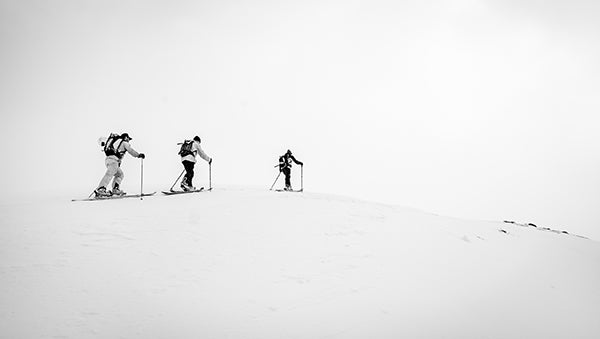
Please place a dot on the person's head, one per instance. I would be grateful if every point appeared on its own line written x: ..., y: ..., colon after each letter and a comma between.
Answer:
x: 197, y: 138
x: 125, y: 137
x: 288, y: 152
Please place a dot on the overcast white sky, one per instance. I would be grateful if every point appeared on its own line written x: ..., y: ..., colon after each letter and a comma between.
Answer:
x: 477, y: 109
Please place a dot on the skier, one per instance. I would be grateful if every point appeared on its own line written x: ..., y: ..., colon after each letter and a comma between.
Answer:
x: 285, y: 166
x: 115, y: 148
x: 188, y: 159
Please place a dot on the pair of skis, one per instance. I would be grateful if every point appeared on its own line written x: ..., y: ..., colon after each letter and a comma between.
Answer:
x: 282, y: 190
x: 113, y: 197
x: 172, y: 192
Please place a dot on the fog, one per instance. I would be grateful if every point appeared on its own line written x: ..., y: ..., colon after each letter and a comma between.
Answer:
x: 478, y: 109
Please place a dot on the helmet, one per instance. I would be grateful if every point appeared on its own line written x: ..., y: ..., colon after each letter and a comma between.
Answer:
x: 126, y: 135
x: 197, y: 138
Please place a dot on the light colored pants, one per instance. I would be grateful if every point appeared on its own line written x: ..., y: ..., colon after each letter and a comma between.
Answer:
x: 113, y: 170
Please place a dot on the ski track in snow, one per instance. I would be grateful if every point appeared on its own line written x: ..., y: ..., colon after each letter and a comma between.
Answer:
x: 242, y: 263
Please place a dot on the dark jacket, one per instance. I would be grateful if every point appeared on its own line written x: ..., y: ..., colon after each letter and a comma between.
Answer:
x: 285, y: 161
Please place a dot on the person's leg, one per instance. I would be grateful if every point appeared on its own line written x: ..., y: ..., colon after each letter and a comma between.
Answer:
x: 111, y: 169
x: 117, y: 181
x: 190, y: 171
x: 189, y: 174
x: 184, y: 179
x: 288, y: 177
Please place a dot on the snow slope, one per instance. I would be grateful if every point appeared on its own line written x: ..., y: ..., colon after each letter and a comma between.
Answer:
x: 245, y: 263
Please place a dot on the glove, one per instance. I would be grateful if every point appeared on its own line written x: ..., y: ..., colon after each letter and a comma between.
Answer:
x: 142, y: 156
x: 210, y: 161
x: 301, y: 164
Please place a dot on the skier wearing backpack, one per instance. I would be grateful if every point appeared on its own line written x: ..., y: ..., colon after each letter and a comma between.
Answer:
x: 115, y: 148
x: 285, y: 166
x: 189, y: 150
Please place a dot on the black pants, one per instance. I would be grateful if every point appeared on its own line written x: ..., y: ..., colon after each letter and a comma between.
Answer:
x: 189, y: 172
x: 288, y: 176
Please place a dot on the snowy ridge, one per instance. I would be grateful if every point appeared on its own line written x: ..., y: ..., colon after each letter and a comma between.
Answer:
x: 541, y: 228
x: 247, y: 263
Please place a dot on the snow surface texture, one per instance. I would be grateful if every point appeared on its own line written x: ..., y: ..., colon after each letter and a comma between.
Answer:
x: 244, y: 263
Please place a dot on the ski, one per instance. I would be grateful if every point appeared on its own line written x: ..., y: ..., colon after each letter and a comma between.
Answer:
x: 201, y: 189
x: 117, y: 197
x: 292, y: 191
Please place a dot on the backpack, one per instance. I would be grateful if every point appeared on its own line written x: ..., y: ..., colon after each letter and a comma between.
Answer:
x: 186, y: 148
x: 284, y: 162
x: 109, y: 145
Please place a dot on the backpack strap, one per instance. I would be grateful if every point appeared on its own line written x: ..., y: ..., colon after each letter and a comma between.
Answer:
x: 109, y: 146
x: 117, y: 153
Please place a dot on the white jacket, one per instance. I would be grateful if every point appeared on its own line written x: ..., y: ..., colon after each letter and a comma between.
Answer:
x: 196, y: 149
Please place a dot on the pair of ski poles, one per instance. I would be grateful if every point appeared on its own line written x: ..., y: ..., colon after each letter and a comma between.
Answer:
x: 209, y: 178
x: 301, y: 178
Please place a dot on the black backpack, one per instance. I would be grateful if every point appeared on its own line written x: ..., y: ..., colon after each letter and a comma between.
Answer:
x: 284, y: 162
x: 109, y: 145
x: 186, y: 148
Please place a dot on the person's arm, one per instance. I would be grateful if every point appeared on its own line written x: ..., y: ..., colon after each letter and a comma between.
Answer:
x: 131, y: 151
x: 202, y: 155
x: 296, y: 161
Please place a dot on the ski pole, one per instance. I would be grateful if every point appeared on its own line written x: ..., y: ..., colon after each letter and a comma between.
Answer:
x: 176, y: 180
x: 210, y: 176
x: 270, y: 189
x: 302, y: 177
x: 142, y: 180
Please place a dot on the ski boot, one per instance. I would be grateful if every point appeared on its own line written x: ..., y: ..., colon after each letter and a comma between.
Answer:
x: 101, y: 192
x: 117, y: 191
x: 186, y: 187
